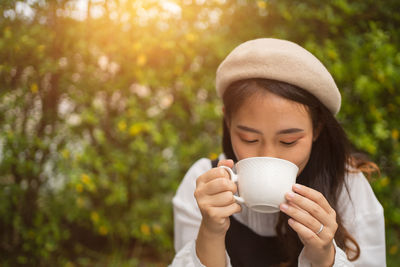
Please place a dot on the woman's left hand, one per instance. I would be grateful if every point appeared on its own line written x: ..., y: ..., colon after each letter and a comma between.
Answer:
x: 314, y: 220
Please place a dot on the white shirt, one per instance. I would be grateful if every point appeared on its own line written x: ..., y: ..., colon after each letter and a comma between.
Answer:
x: 362, y: 217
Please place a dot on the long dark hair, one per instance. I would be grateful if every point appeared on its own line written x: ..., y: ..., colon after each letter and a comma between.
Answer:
x: 327, y: 166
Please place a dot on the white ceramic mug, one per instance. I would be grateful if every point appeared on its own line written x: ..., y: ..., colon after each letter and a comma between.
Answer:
x: 263, y: 182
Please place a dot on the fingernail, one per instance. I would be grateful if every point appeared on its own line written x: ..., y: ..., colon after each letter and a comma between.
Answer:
x: 290, y: 195
x: 284, y: 207
x: 297, y: 186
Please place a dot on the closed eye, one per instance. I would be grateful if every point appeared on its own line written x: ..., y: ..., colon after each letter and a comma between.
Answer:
x: 288, y: 143
x: 249, y: 141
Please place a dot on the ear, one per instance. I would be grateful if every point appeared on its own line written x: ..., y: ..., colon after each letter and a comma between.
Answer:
x: 317, y: 131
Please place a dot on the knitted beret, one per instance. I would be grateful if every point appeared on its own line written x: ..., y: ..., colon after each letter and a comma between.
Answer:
x: 279, y: 60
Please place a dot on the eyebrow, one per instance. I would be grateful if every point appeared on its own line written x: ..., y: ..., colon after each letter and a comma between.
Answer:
x: 248, y: 129
x: 290, y: 130
x: 284, y: 131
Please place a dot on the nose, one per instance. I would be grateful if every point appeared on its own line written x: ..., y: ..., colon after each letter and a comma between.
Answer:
x: 268, y: 151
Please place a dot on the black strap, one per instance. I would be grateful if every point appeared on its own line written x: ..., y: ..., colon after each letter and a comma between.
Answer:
x: 246, y: 248
x: 214, y: 163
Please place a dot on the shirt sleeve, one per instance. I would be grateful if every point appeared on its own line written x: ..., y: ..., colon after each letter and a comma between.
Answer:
x: 187, y: 257
x: 340, y: 259
x: 187, y: 218
x: 363, y: 218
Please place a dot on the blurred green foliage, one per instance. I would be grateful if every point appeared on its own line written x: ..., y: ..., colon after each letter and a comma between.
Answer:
x: 105, y: 104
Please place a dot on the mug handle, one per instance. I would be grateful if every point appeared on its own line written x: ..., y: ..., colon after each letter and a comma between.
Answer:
x: 234, y: 178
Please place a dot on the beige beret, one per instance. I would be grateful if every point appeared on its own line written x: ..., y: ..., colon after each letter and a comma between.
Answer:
x: 282, y: 61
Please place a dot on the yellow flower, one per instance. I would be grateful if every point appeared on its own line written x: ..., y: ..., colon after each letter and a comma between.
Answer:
x: 122, y: 126
x: 141, y: 60
x: 395, y: 134
x: 69, y: 264
x: 65, y: 153
x: 79, y: 188
x: 157, y: 228
x: 94, y: 216
x: 393, y: 250
x: 191, y: 37
x: 168, y: 45
x: 213, y: 156
x: 103, y: 230
x: 262, y: 4
x: 177, y: 70
x: 92, y: 187
x: 85, y: 179
x: 7, y: 32
x: 34, y: 88
x: 385, y: 181
x: 287, y: 15
x: 332, y: 54
x: 80, y: 202
x: 370, y: 148
x: 136, y: 129
x: 41, y: 48
x: 137, y: 46
x: 381, y: 77
x: 145, y: 229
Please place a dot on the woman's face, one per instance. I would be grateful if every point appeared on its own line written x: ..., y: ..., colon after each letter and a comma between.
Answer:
x: 268, y: 125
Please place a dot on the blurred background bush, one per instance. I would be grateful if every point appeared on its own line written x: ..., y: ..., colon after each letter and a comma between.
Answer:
x: 104, y: 104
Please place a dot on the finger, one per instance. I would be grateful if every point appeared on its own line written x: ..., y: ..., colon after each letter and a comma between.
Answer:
x: 308, y: 236
x: 314, y: 195
x: 305, y: 234
x: 226, y: 162
x: 211, y: 175
x: 296, y: 206
x: 219, y: 185
x: 218, y: 200
x: 218, y: 213
x: 229, y: 210
x: 310, y: 207
x: 300, y: 216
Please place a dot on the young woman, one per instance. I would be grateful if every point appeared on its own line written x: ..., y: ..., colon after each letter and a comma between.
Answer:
x: 280, y: 101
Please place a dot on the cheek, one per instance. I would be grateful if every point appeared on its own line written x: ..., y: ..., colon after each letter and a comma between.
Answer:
x: 238, y: 148
x: 302, y: 156
x: 242, y: 150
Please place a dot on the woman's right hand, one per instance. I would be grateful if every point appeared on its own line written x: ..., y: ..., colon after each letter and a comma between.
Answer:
x: 214, y: 196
